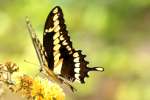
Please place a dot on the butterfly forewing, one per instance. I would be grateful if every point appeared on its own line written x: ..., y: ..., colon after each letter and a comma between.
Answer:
x: 55, y: 36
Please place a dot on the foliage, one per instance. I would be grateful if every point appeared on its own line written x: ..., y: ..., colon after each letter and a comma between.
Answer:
x: 113, y: 33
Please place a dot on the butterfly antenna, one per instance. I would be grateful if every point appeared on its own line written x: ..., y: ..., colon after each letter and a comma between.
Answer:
x: 70, y: 86
x: 67, y: 83
x: 31, y: 63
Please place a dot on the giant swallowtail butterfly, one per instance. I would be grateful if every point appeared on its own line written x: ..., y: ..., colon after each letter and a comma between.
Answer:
x: 57, y: 55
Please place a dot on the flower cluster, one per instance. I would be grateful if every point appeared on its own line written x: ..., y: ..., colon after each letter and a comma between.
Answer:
x: 32, y: 88
x: 6, y: 71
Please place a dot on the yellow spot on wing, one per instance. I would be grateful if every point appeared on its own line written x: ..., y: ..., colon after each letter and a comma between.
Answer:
x: 49, y: 30
x: 77, y: 76
x: 56, y: 22
x: 68, y: 48
x: 56, y: 41
x: 64, y: 42
x: 77, y: 70
x: 57, y: 56
x: 56, y: 35
x: 56, y: 29
x: 100, y: 69
x: 61, y: 38
x: 56, y: 47
x: 56, y: 52
x: 55, y: 17
x: 55, y: 10
x: 77, y: 65
x: 70, y: 52
x: 76, y: 59
x: 76, y: 54
x: 46, y: 30
x: 57, y: 68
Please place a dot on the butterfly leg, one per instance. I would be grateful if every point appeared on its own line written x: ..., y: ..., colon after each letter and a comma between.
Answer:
x: 67, y: 83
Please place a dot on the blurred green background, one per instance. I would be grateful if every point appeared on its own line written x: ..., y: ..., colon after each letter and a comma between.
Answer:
x: 114, y: 34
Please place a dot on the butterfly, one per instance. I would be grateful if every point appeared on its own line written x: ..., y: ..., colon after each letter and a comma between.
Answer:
x: 56, y: 55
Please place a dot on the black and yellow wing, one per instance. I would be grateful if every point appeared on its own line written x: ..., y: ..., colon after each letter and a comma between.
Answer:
x: 62, y: 58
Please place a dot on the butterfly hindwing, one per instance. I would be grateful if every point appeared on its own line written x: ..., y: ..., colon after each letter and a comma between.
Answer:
x: 75, y: 67
x: 41, y: 54
x: 62, y: 58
